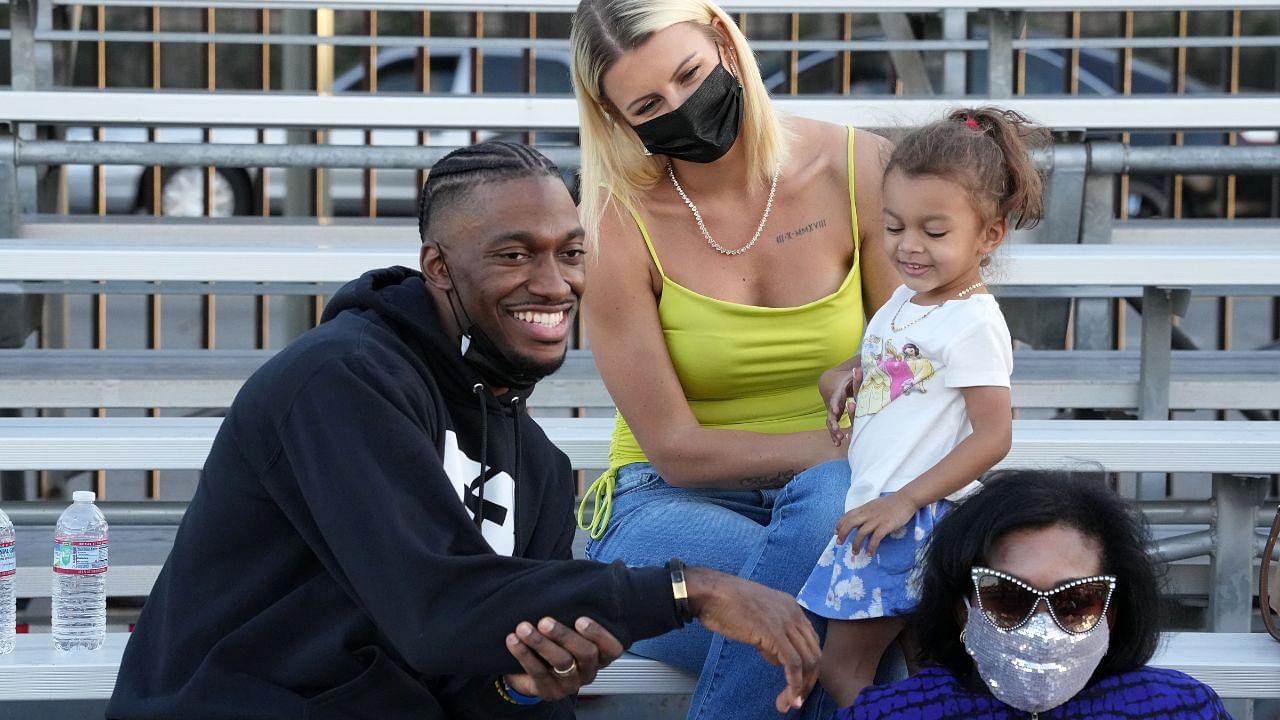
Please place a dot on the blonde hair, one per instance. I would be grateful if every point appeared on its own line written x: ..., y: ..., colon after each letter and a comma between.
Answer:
x: 614, y: 165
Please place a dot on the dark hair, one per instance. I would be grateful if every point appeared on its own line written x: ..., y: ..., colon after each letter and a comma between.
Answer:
x: 469, y: 167
x: 986, y: 150
x: 1013, y: 500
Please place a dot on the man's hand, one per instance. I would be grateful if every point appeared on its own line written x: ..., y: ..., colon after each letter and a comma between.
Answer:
x: 875, y: 520
x: 768, y: 620
x: 839, y: 389
x: 551, y: 646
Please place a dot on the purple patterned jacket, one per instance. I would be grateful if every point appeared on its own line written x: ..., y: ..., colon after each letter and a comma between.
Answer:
x: 936, y: 694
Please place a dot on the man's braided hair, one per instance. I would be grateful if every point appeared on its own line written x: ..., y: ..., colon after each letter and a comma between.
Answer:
x: 469, y: 167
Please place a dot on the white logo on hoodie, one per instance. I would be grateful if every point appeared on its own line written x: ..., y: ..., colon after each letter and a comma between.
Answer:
x: 499, y: 527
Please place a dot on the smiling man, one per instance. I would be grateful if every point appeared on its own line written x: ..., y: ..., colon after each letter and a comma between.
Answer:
x: 383, y: 532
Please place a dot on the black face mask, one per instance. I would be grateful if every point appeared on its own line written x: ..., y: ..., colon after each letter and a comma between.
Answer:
x: 495, y: 367
x: 704, y: 127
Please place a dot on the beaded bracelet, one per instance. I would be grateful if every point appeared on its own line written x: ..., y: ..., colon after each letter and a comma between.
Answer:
x: 513, y: 696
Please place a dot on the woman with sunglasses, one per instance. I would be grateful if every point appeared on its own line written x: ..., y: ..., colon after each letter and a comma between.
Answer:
x: 1038, y: 599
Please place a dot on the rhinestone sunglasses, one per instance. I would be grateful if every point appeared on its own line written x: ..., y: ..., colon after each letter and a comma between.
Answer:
x: 1008, y: 602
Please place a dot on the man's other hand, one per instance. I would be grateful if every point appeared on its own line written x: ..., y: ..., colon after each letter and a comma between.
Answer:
x: 770, y: 621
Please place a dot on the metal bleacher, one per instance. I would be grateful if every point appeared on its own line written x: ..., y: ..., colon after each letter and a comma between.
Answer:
x: 1082, y: 252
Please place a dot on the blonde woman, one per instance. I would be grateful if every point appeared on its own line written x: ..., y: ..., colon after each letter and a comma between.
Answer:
x: 737, y: 255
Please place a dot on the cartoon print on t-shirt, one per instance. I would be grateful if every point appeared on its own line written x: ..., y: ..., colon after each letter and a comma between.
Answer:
x: 889, y: 374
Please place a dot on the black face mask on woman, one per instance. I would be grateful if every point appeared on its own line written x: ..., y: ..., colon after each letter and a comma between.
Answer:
x: 705, y: 125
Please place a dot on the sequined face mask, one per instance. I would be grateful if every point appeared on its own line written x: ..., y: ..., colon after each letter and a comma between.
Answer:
x: 1036, y: 661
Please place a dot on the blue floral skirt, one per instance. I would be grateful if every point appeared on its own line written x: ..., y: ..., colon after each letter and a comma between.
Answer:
x: 856, y: 586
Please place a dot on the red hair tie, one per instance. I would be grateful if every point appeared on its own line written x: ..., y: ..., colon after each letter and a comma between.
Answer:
x: 971, y: 123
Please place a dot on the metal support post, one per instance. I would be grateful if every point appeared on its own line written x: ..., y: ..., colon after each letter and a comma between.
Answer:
x: 1159, y: 306
x: 296, y: 76
x: 1043, y: 321
x: 1065, y: 203
x: 1001, y: 27
x: 955, y: 26
x: 31, y: 64
x: 1092, y: 327
x: 1236, y: 500
x: 22, y: 44
x: 10, y: 210
x: 300, y: 192
x: 14, y: 320
x: 908, y: 64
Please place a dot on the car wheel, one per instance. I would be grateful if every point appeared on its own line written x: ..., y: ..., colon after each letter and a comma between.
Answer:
x: 1145, y: 200
x: 182, y: 192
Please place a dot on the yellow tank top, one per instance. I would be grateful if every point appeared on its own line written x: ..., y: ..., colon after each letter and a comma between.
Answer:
x: 744, y: 367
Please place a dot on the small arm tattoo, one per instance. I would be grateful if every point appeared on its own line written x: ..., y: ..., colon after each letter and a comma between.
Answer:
x: 768, y: 482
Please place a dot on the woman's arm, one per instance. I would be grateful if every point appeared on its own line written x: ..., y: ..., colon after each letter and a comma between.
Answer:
x: 621, y: 314
x: 879, y: 276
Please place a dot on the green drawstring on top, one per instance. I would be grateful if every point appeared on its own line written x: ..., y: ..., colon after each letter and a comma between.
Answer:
x: 600, y: 495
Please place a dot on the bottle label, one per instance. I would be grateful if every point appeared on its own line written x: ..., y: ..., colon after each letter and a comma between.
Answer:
x: 79, y: 557
x: 8, y: 560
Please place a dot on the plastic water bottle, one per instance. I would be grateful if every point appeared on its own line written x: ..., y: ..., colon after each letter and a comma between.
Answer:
x: 8, y: 568
x: 79, y: 576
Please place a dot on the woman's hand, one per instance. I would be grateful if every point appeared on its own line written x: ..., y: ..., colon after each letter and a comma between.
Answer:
x: 875, y: 520
x: 839, y: 390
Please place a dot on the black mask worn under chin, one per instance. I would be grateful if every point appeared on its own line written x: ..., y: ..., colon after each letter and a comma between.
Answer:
x: 494, y: 366
x: 705, y: 125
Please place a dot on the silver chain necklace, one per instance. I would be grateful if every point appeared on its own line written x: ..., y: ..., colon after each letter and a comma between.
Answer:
x: 893, y: 322
x: 773, y: 188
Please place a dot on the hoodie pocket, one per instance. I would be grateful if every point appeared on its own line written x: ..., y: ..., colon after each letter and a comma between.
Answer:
x: 382, y: 691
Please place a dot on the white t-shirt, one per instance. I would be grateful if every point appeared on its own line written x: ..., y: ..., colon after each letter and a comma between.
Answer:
x: 910, y: 412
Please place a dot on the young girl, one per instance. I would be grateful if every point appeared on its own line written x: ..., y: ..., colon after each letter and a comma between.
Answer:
x: 932, y: 410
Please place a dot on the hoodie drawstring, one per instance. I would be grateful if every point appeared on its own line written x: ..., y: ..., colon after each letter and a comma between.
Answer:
x: 515, y: 421
x: 478, y: 390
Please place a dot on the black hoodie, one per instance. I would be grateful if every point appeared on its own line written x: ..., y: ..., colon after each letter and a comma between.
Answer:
x: 327, y: 566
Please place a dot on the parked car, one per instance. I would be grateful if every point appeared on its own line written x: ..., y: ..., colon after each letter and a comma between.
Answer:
x: 1099, y: 76
x: 129, y: 190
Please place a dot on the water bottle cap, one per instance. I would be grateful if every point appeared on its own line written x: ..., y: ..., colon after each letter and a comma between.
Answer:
x: 84, y: 496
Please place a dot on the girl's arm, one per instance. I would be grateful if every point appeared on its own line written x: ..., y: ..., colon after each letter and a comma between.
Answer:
x: 621, y: 314
x: 991, y: 415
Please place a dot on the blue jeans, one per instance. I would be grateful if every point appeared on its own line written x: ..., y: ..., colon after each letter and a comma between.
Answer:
x: 772, y: 537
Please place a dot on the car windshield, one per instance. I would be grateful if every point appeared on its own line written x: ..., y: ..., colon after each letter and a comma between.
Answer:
x: 507, y: 74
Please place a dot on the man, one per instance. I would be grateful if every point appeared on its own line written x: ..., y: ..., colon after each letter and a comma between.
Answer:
x: 383, y: 532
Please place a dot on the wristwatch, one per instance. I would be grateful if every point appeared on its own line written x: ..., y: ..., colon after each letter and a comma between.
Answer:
x: 680, y: 591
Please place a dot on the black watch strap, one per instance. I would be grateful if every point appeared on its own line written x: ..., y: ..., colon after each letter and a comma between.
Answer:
x: 680, y: 591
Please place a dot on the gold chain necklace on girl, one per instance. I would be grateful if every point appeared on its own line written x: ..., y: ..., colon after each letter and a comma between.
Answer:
x: 893, y: 323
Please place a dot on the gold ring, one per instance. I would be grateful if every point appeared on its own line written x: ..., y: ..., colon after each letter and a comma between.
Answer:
x: 573, y: 668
